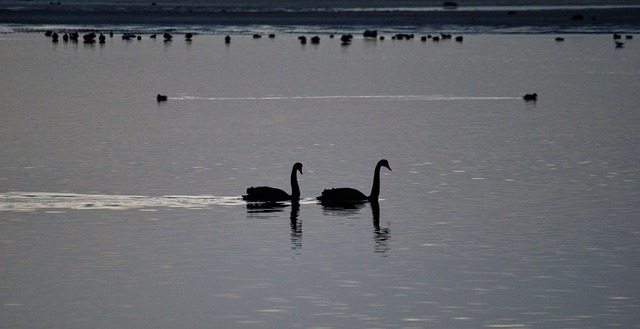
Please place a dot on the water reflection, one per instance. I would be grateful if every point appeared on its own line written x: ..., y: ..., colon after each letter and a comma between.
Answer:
x: 381, y: 236
x: 269, y: 210
x: 262, y: 209
x: 296, y: 229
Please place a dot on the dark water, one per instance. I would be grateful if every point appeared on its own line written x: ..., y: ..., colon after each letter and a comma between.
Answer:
x: 118, y: 211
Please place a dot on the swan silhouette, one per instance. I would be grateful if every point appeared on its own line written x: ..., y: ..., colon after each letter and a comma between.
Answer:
x: 347, y: 195
x: 271, y: 194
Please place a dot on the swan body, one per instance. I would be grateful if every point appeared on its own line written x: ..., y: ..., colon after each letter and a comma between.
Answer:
x: 272, y: 194
x: 350, y: 195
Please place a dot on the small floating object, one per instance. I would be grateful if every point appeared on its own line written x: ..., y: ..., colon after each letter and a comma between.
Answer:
x: 89, y: 37
x: 161, y: 98
x: 459, y: 38
x: 370, y: 34
x: 257, y: 36
x: 530, y: 97
x: 346, y: 39
x: 559, y: 39
x: 619, y: 44
x: 271, y: 36
x: 616, y: 36
x: 315, y: 40
x: 303, y: 39
x: 628, y: 37
x: 167, y: 37
x: 188, y: 36
x: 450, y: 5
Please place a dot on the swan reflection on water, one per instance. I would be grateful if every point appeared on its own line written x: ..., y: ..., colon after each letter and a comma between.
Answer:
x: 269, y: 209
x: 296, y: 228
x: 381, y: 236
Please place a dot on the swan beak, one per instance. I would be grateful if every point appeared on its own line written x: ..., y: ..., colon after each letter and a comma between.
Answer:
x: 389, y: 168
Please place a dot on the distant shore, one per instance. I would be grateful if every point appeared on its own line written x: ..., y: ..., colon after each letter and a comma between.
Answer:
x: 562, y: 17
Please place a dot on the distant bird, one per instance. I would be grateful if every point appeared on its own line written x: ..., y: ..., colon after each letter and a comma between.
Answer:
x: 167, y: 37
x: 559, y: 39
x: 89, y: 37
x: 619, y: 44
x: 530, y: 97
x: 315, y: 40
x: 347, y: 195
x: 346, y: 39
x: 370, y: 33
x: 188, y: 36
x: 161, y: 98
x: 271, y: 194
x: 227, y: 39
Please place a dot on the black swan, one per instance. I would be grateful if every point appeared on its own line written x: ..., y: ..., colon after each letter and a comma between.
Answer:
x: 346, y: 195
x: 530, y: 97
x: 270, y: 194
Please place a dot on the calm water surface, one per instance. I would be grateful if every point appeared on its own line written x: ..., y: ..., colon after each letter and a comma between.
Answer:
x: 118, y: 211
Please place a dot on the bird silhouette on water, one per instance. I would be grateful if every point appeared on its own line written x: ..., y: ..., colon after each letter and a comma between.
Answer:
x: 346, y: 195
x: 272, y: 194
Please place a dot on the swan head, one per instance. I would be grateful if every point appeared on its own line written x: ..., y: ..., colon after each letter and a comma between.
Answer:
x: 298, y: 167
x: 384, y: 163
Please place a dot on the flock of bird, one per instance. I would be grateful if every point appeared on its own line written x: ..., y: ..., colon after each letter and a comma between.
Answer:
x: 346, y: 39
x: 343, y: 196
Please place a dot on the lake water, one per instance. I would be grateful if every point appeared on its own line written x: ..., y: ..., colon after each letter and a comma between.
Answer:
x: 117, y: 211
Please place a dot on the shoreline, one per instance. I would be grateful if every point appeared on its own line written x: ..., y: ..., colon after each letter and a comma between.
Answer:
x: 562, y: 18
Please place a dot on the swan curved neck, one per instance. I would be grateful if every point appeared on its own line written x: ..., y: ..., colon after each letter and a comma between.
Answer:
x: 295, y: 189
x: 375, y: 189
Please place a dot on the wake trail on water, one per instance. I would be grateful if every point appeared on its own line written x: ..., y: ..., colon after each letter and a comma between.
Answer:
x: 349, y: 97
x: 32, y: 201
